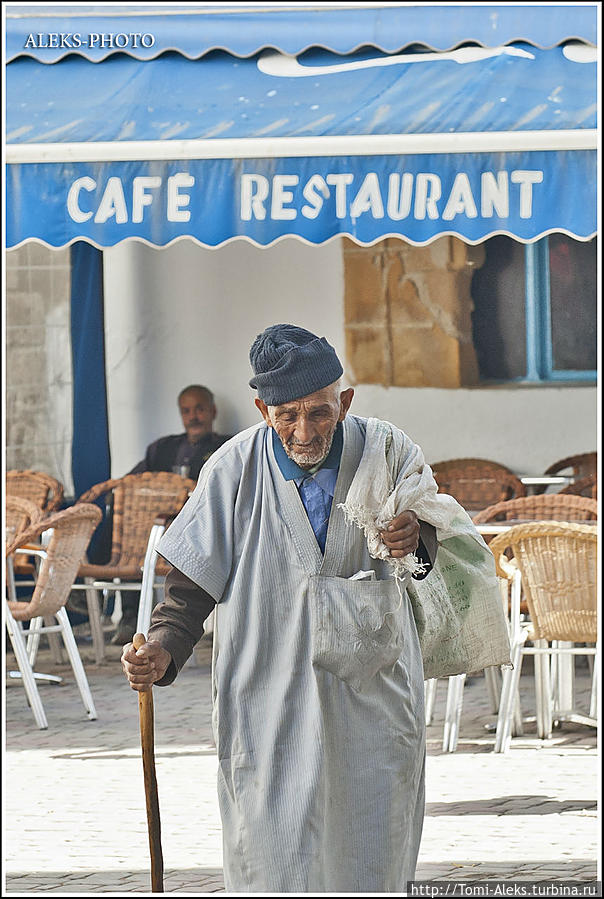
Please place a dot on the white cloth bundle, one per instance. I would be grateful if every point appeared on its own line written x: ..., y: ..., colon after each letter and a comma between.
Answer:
x: 457, y: 607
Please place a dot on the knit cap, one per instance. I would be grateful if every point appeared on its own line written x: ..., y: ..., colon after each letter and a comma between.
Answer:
x: 290, y: 362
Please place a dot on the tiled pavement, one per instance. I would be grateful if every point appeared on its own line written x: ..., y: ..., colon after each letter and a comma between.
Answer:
x: 74, y: 806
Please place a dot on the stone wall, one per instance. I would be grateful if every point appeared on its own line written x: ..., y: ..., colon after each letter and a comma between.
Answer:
x: 38, y: 361
x: 408, y: 313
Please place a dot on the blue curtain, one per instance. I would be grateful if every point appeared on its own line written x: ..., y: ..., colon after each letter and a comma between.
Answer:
x: 90, y: 459
x: 90, y: 456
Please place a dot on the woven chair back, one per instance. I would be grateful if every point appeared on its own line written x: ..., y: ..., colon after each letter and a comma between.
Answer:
x: 583, y: 487
x: 19, y: 514
x: 71, y: 531
x: 42, y: 489
x: 581, y: 465
x: 476, y: 483
x: 548, y: 506
x: 558, y: 564
x: 137, y: 501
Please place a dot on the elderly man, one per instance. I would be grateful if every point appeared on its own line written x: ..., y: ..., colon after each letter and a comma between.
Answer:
x: 317, y: 670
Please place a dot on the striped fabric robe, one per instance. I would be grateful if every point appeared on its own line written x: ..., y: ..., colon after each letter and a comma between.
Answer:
x: 317, y: 681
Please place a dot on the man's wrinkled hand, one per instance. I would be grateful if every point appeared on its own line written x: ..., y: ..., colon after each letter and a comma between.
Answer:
x: 401, y: 536
x: 145, y: 666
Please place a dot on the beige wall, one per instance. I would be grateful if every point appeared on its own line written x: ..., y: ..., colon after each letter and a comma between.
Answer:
x: 408, y: 313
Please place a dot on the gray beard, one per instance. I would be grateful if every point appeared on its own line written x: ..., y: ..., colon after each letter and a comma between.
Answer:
x: 302, y: 460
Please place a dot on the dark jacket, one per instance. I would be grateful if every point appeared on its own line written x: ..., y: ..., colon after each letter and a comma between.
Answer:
x: 165, y: 453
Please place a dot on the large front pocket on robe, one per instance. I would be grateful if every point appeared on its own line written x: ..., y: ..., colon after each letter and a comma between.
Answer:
x: 357, y: 626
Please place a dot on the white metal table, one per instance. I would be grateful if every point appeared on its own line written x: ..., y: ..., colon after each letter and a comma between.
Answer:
x: 547, y: 481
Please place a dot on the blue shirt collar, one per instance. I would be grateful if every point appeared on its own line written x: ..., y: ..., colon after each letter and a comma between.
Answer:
x: 326, y: 479
x: 291, y: 471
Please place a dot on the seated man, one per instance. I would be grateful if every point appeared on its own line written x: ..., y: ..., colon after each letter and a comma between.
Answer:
x: 185, y: 453
x: 188, y: 451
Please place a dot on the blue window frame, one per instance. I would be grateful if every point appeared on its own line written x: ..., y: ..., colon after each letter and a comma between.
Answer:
x: 535, y: 311
x: 539, y: 341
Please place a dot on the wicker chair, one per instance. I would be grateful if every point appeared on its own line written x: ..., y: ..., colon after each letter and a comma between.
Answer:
x: 541, y: 507
x: 20, y: 513
x: 583, y: 487
x: 39, y: 488
x: 70, y: 533
x: 558, y: 568
x: 36, y: 486
x: 546, y: 506
x: 137, y: 501
x: 583, y: 465
x: 580, y: 466
x: 477, y: 483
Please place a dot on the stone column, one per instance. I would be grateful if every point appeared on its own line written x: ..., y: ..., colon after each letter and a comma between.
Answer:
x: 38, y: 361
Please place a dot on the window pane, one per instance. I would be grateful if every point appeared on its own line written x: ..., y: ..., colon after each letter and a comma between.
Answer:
x: 573, y: 268
x: 498, y: 320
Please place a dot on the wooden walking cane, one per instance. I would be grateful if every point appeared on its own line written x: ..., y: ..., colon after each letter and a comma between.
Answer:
x: 145, y: 708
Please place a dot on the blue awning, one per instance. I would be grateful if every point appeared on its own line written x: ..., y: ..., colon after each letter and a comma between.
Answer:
x: 318, y: 94
x: 49, y: 33
x: 470, y: 142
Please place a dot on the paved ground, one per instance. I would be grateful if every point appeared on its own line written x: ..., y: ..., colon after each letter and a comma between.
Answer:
x: 74, y: 807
